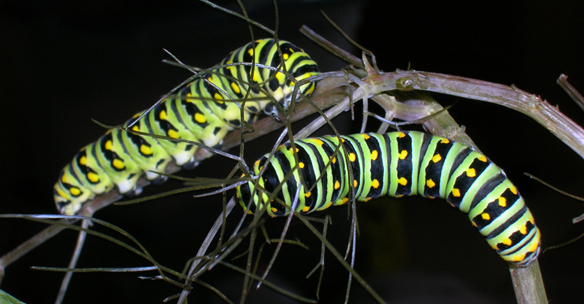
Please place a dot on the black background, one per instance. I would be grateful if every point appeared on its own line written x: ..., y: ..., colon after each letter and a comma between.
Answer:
x: 65, y: 62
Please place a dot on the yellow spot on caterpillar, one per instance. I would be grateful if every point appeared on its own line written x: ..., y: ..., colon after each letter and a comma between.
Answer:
x: 513, y: 190
x: 402, y: 181
x: 474, y: 224
x: 135, y: 128
x: 92, y: 177
x: 293, y: 150
x: 471, y: 172
x: 218, y: 97
x: 145, y: 150
x: 507, y: 242
x: 502, y: 202
x: 257, y: 163
x: 344, y: 201
x: 108, y: 145
x: 301, y: 165
x: 401, y: 135
x: 281, y: 77
x: 456, y: 192
x: 482, y: 158
x: 355, y: 183
x: 274, y: 210
x: 318, y: 142
x: 172, y: 133
x: 333, y: 159
x: 83, y: 160
x: 534, y: 246
x: 305, y: 209
x: 430, y: 183
x: 374, y: 154
x: 486, y: 216
x: 445, y: 141
x: 403, y: 154
x: 367, y: 199
x: 375, y: 184
x: 307, y: 194
x: 337, y: 185
x: 250, y: 51
x: 366, y: 136
x: 200, y: 118
x: 75, y: 191
x: 352, y: 157
x: 162, y: 115
x: 235, y: 87
x: 118, y: 164
x: 256, y: 77
x: 523, y: 230
x: 436, y: 158
x: 285, y: 56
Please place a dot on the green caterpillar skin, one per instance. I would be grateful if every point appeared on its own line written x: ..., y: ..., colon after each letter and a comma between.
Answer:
x: 199, y: 112
x: 398, y: 164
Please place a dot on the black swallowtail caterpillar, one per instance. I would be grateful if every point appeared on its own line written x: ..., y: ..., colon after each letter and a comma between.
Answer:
x: 397, y: 164
x: 199, y: 112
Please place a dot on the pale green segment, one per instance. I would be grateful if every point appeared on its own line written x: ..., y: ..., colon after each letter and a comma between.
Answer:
x: 155, y: 161
x: 495, y: 223
x: 212, y: 128
x: 393, y: 162
x: 252, y: 189
x: 445, y: 176
x: 342, y: 161
x: 530, y: 243
x: 460, y: 170
x: 260, y: 75
x: 318, y: 190
x: 510, y: 230
x: 489, y: 172
x: 493, y: 195
x: 288, y: 197
x: 229, y: 111
x: 384, y: 155
x: 125, y: 180
x: 430, y: 151
x: 63, y: 195
x: 177, y: 150
x: 417, y: 141
x: 522, y: 222
x: 361, y: 149
x: 104, y: 184
x: 324, y: 194
x: 260, y: 203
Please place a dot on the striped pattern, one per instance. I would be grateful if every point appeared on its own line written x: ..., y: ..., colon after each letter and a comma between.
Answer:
x: 397, y: 164
x: 201, y: 112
